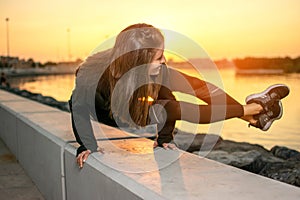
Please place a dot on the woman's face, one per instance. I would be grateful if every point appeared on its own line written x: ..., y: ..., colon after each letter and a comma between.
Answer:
x: 158, y: 60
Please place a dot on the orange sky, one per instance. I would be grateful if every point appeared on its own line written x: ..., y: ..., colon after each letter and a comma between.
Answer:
x: 224, y: 28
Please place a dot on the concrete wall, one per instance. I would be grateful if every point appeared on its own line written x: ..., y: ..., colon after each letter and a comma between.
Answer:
x: 42, y: 140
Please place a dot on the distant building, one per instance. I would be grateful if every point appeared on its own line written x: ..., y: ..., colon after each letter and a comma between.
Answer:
x: 16, y: 63
x: 202, y: 63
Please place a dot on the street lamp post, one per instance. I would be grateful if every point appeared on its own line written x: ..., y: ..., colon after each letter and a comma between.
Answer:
x: 7, y: 36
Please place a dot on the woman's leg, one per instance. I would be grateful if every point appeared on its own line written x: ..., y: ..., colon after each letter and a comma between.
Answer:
x: 172, y: 110
x: 166, y: 112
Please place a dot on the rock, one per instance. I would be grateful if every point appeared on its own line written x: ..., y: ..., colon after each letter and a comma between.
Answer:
x: 252, y: 161
x: 49, y: 100
x: 24, y: 93
x: 281, y: 163
x: 261, y: 161
x: 244, y: 160
x: 194, y: 142
x: 288, y: 172
x: 231, y: 146
x: 285, y: 153
x: 238, y: 159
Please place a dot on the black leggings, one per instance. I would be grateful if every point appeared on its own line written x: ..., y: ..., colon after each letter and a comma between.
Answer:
x: 220, y: 107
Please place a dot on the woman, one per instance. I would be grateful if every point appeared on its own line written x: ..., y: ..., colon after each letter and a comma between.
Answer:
x: 131, y: 86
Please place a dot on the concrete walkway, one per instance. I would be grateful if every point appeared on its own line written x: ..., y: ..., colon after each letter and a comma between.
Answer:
x: 14, y: 182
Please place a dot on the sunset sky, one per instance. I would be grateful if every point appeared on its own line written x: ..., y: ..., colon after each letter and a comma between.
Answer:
x: 224, y: 28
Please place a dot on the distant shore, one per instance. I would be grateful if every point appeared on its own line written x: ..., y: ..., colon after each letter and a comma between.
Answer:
x: 267, y: 65
x: 38, y: 71
x: 15, y: 66
x: 259, y: 71
x: 245, y: 66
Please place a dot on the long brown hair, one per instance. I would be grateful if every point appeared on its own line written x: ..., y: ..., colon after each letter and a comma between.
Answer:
x: 134, y: 49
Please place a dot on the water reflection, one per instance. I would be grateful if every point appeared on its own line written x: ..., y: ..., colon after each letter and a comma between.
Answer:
x: 56, y: 86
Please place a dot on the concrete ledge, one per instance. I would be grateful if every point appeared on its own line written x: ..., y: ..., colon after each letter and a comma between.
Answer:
x: 174, y: 175
x: 42, y: 140
x: 38, y: 151
x: 101, y: 181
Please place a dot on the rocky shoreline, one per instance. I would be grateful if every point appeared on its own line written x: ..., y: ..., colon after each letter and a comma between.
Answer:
x: 279, y: 163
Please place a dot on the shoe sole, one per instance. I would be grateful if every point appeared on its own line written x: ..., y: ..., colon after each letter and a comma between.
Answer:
x: 256, y: 95
x: 269, y: 123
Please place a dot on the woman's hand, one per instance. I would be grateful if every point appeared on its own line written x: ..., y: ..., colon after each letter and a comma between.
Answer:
x: 166, y: 146
x: 82, y: 157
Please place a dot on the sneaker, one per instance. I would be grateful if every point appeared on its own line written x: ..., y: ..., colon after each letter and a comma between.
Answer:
x: 265, y: 120
x: 268, y: 97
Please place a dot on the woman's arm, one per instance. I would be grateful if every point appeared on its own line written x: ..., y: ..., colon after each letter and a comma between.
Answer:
x: 82, y: 127
x: 83, y: 100
x: 80, y: 114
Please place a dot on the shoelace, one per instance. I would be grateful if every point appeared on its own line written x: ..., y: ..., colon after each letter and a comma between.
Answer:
x: 270, y: 113
x: 265, y: 98
x: 265, y: 120
x: 274, y: 95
